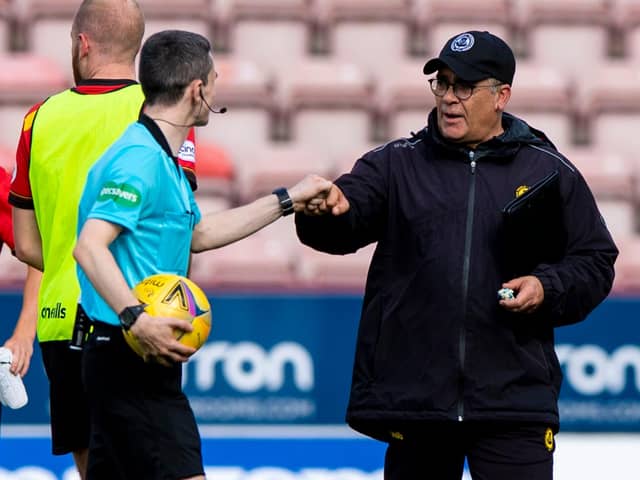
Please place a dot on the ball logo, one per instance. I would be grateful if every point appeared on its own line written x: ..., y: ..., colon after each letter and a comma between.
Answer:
x: 462, y: 42
x: 181, y: 297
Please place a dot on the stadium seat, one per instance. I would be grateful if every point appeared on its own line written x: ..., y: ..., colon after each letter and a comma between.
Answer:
x: 262, y: 261
x: 627, y: 279
x: 626, y: 18
x: 274, y: 34
x: 373, y: 34
x: 335, y: 272
x: 210, y: 203
x: 544, y: 98
x: 610, y: 100
x: 438, y: 20
x: 7, y: 24
x: 344, y: 160
x: 215, y: 170
x: 569, y: 35
x: 24, y: 80
x: 46, y: 27
x: 248, y: 93
x: 612, y: 180
x: 327, y: 105
x: 12, y: 271
x: 278, y: 166
x: 191, y: 15
x: 404, y: 101
x: 7, y: 158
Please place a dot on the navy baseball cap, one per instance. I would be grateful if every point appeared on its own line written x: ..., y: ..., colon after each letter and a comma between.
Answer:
x: 474, y: 56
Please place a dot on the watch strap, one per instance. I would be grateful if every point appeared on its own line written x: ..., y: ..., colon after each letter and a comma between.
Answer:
x: 130, y: 314
x: 286, y: 204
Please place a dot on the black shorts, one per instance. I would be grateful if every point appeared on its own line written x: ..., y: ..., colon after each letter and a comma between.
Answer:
x: 493, y: 450
x: 67, y: 400
x: 142, y: 426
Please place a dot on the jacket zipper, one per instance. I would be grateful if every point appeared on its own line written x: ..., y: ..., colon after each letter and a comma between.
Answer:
x: 462, y: 341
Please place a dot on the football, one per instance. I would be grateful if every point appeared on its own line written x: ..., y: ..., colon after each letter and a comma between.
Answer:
x: 168, y: 295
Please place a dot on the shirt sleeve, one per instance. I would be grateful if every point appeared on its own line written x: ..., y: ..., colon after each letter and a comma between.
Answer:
x: 20, y: 193
x: 124, y: 188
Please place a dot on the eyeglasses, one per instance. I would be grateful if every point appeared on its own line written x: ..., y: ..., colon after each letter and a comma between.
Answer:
x: 440, y: 87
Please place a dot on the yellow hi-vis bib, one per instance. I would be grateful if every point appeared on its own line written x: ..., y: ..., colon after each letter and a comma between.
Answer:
x: 70, y: 132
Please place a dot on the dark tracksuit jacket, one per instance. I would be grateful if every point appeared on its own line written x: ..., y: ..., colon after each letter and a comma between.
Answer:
x: 433, y: 343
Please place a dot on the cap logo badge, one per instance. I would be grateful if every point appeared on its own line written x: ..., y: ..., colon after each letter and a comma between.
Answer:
x: 462, y: 42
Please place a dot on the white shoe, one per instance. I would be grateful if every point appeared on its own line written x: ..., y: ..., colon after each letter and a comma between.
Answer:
x: 12, y: 391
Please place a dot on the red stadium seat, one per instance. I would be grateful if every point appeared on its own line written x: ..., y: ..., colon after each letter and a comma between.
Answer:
x: 12, y: 271
x: 24, y: 80
x: 373, y: 34
x: 247, y: 91
x: 404, y: 100
x: 191, y: 15
x: 327, y: 106
x: 569, y: 35
x: 612, y: 179
x: 278, y: 166
x: 545, y: 99
x: 610, y: 98
x: 7, y: 158
x: 627, y: 280
x: 215, y: 171
x: 262, y: 261
x: 439, y: 20
x: 272, y: 33
x: 335, y: 272
x: 626, y: 14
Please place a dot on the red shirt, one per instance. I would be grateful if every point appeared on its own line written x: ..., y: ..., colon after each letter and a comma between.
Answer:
x: 6, y: 224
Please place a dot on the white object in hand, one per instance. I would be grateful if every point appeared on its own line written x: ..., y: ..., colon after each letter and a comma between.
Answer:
x: 12, y: 391
x: 505, y: 294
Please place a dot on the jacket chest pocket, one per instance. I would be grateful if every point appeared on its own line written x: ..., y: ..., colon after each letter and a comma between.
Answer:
x: 175, y: 242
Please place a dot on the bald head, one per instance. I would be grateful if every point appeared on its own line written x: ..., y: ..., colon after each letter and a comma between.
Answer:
x: 115, y: 27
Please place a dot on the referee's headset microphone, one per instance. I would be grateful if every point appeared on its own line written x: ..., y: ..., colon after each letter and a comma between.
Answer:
x: 222, y: 109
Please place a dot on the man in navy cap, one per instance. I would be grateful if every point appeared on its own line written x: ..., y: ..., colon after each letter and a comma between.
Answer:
x: 476, y: 203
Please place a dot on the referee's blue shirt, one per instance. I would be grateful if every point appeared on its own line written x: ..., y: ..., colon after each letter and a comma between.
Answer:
x: 139, y: 186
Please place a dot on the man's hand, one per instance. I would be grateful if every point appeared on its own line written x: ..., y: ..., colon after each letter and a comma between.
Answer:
x: 21, y: 347
x: 310, y: 187
x: 529, y: 294
x: 157, y: 339
x: 334, y: 201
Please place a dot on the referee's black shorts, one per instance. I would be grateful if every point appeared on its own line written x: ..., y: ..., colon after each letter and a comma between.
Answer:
x: 67, y: 400
x: 493, y: 450
x: 142, y: 426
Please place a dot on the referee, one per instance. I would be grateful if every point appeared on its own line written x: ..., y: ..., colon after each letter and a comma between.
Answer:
x: 61, y: 138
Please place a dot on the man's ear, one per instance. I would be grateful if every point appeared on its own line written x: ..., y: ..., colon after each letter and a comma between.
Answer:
x: 194, y: 90
x: 504, y: 94
x: 84, y: 44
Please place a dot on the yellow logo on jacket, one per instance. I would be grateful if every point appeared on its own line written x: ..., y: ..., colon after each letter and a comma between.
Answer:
x: 521, y: 190
x: 548, y: 439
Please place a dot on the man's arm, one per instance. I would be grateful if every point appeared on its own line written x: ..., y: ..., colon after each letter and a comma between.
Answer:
x: 21, y: 342
x: 574, y: 286
x: 96, y: 260
x: 222, y: 228
x: 28, y: 246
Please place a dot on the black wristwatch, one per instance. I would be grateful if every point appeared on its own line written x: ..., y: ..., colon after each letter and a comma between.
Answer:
x: 286, y: 204
x: 129, y: 315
